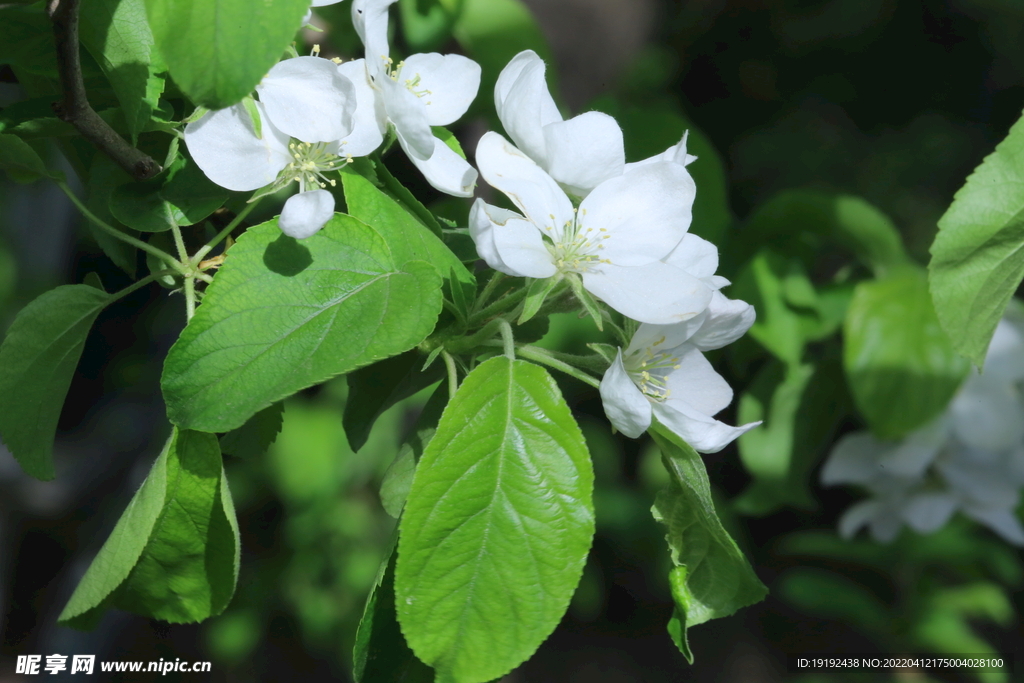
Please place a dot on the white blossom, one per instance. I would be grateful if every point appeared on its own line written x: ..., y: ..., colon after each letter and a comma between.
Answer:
x: 970, y: 459
x: 615, y: 241
x: 663, y: 374
x: 305, y: 106
x: 422, y: 91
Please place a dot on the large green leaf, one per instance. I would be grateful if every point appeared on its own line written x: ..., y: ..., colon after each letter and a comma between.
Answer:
x: 283, y: 315
x: 37, y: 360
x: 381, y: 654
x: 174, y: 553
x: 901, y: 367
x: 978, y: 255
x: 117, y: 35
x: 21, y: 163
x: 718, y: 579
x: 497, y: 525
x: 181, y: 195
x: 218, y: 50
x: 252, y: 439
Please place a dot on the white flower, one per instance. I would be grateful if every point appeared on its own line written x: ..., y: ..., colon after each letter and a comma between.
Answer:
x: 615, y: 240
x: 303, y: 98
x: 663, y: 374
x: 970, y: 458
x: 424, y: 90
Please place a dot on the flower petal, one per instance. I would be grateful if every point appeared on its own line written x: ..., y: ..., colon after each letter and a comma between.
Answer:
x: 887, y: 523
x: 369, y: 122
x: 484, y: 219
x: 705, y: 434
x: 308, y: 99
x: 370, y: 19
x: 655, y: 293
x: 305, y: 213
x: 987, y: 415
x: 446, y: 171
x: 695, y: 255
x: 912, y: 456
x: 627, y: 409
x: 727, y: 320
x: 854, y: 460
x: 676, y: 154
x: 645, y: 213
x: 522, y: 248
x: 658, y: 338
x: 533, y: 191
x: 224, y: 145
x: 929, y: 511
x: 695, y: 382
x: 584, y: 151
x: 1002, y: 521
x: 449, y: 84
x: 524, y: 104
x: 857, y: 516
x: 409, y: 115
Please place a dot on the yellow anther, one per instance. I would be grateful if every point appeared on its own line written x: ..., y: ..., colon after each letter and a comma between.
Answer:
x: 316, y: 50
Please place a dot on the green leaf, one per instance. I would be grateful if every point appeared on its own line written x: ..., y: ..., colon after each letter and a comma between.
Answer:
x: 427, y: 24
x: 719, y: 579
x: 497, y: 525
x: 283, y: 315
x: 218, y: 50
x: 37, y: 361
x: 182, y: 195
x: 825, y: 594
x: 901, y: 367
x: 778, y: 328
x: 252, y: 439
x: 381, y: 654
x: 174, y: 553
x: 104, y: 176
x: 394, y: 489
x: 803, y: 223
x: 536, y: 294
x: 978, y: 255
x: 20, y: 161
x: 407, y: 236
x: 374, y: 389
x: 682, y: 599
x: 448, y: 138
x: 117, y: 35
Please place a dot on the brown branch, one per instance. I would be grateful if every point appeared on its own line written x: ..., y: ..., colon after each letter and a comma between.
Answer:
x: 74, y: 107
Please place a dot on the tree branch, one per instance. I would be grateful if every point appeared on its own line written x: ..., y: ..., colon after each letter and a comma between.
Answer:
x: 74, y: 107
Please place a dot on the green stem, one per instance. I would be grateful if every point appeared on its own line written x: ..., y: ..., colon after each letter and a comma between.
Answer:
x: 488, y: 290
x: 507, y: 339
x: 190, y: 298
x: 543, y: 357
x: 140, y: 284
x: 499, y: 306
x: 114, y: 232
x: 179, y: 244
x: 219, y: 237
x: 453, y: 376
x: 476, y: 339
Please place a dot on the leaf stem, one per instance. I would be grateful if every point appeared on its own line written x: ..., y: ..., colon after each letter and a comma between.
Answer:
x: 190, y: 298
x: 141, y: 283
x: 488, y: 290
x: 453, y: 375
x: 74, y: 106
x: 114, y: 232
x: 507, y: 338
x: 208, y: 247
x: 544, y: 357
x: 499, y: 306
x: 179, y: 243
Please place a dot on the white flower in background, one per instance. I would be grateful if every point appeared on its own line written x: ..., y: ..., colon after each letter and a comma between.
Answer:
x: 422, y: 91
x: 663, y: 374
x: 305, y: 107
x: 615, y: 241
x: 970, y: 458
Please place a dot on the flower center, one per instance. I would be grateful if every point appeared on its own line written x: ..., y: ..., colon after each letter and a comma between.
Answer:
x: 650, y: 370
x: 394, y: 72
x: 575, y: 247
x: 310, y: 161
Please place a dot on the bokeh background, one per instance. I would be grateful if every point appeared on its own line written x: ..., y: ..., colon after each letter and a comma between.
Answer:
x: 892, y: 100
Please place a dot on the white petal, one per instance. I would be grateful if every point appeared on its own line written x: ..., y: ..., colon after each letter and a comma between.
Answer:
x: 979, y: 482
x: 987, y: 415
x: 627, y: 409
x: 522, y: 248
x: 886, y: 525
x: 369, y: 122
x: 854, y: 460
x: 645, y: 213
x: 446, y: 171
x: 697, y: 383
x: 705, y: 434
x: 449, y: 84
x: 308, y: 99
x: 224, y: 145
x: 857, y: 516
x: 656, y: 293
x: 584, y: 151
x: 409, y: 115
x: 928, y: 512
x: 676, y: 154
x: 524, y: 104
x: 912, y: 456
x: 532, y: 190
x: 305, y: 213
x: 727, y: 320
x: 716, y: 281
x: 659, y: 338
x: 484, y: 219
x: 370, y: 19
x: 695, y: 255
x: 1005, y: 357
x: 1002, y: 521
